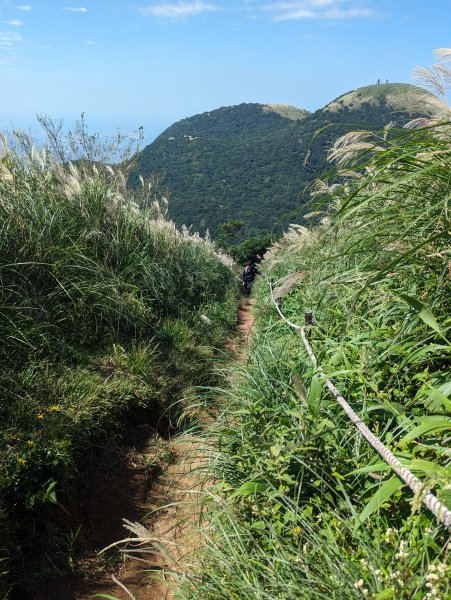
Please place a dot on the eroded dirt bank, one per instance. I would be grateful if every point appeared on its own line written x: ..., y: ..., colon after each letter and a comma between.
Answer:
x: 156, y: 483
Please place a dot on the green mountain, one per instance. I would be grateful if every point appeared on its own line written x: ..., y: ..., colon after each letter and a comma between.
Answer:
x: 254, y: 162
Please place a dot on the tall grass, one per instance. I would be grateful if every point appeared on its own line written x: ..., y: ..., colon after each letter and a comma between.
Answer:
x: 304, y: 508
x: 102, y: 309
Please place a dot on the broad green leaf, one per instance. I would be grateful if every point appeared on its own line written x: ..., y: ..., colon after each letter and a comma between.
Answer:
x: 250, y: 487
x: 428, y: 468
x: 323, y: 425
x: 411, y: 357
x: 386, y: 491
x: 258, y: 525
x: 428, y: 427
x: 314, y: 395
x: 276, y: 450
x: 242, y: 411
x: 437, y: 397
x: 403, y: 457
x: 295, y: 413
x: 290, y: 517
x: 399, y: 258
x: 424, y: 312
x: 444, y: 496
x: 50, y: 493
x: 431, y: 419
x: 334, y: 374
x: 393, y: 408
x: 287, y: 478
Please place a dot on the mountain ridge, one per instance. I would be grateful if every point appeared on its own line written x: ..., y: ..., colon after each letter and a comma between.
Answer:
x: 254, y: 162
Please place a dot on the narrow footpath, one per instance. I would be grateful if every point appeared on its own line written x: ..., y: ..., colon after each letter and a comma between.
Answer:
x: 164, y: 503
x: 245, y: 323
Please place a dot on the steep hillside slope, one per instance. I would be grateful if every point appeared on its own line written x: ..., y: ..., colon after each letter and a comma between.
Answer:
x: 253, y: 161
x: 108, y: 314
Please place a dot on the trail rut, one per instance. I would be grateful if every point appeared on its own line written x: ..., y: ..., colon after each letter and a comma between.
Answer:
x: 166, y: 507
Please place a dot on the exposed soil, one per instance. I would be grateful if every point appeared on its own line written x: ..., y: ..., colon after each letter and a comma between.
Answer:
x: 245, y: 320
x: 156, y: 484
x: 239, y: 344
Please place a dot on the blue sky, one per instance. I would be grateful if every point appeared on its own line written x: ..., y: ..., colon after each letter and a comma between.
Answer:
x: 130, y: 63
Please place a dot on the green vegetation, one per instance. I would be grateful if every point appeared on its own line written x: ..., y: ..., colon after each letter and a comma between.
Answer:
x: 303, y: 507
x: 103, y: 313
x: 232, y: 236
x: 285, y: 110
x: 255, y: 163
x: 252, y: 248
x: 400, y: 97
x: 110, y: 314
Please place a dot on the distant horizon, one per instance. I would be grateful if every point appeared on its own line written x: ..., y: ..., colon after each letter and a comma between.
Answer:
x: 107, y: 128
x: 128, y: 63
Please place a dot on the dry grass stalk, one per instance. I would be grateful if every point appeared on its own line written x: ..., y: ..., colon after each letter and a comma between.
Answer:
x: 431, y: 78
x: 287, y: 284
x: 350, y: 154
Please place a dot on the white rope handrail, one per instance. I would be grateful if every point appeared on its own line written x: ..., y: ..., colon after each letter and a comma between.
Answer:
x: 441, y: 512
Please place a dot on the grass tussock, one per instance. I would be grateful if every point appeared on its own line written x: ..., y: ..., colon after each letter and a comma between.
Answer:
x: 104, y: 308
x: 304, y: 507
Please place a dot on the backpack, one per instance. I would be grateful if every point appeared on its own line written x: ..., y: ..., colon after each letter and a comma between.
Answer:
x: 249, y: 273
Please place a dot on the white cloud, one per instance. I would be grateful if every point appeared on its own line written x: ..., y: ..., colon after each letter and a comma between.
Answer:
x: 181, y: 9
x: 90, y: 43
x: 300, y: 13
x: 80, y: 9
x: 14, y: 22
x: 350, y: 13
x: 24, y: 7
x: 317, y: 9
x: 8, y: 39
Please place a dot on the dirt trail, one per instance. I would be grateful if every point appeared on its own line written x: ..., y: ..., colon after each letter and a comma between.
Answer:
x: 244, y: 330
x: 172, y: 515
x: 167, y: 509
x: 245, y: 320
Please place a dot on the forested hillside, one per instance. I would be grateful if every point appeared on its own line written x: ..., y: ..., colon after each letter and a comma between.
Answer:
x: 253, y: 162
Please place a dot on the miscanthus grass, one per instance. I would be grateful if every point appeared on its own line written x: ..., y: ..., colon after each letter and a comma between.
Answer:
x: 303, y: 507
x: 105, y: 307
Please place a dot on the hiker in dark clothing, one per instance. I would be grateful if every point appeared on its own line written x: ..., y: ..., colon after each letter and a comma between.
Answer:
x: 249, y: 273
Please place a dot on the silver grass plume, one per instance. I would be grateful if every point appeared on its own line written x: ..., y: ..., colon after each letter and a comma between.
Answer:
x: 437, y: 79
x: 348, y: 148
x: 322, y: 188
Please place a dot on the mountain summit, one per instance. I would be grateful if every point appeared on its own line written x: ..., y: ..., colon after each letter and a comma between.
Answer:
x: 254, y: 162
x: 399, y: 97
